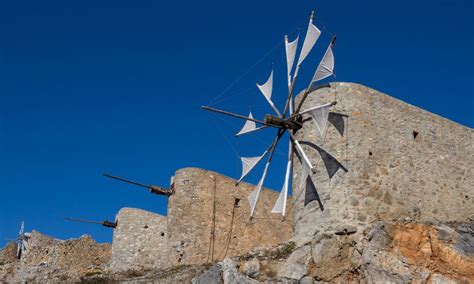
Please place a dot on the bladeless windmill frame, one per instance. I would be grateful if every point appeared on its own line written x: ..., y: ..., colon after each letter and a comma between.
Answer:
x: 290, y: 120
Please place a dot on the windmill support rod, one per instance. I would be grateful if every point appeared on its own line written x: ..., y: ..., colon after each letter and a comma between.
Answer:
x: 83, y: 221
x: 313, y: 108
x: 305, y: 96
x: 298, y: 113
x: 153, y: 188
x: 300, y: 149
x: 238, y: 116
x: 127, y: 181
x: 290, y: 97
x: 275, y: 142
x: 104, y: 223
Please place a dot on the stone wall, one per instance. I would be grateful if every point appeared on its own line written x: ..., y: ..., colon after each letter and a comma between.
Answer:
x: 140, y: 241
x: 403, y: 163
x: 208, y: 218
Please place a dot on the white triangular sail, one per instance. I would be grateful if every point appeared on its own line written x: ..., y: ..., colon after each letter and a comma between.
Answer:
x: 326, y: 66
x: 320, y: 115
x: 266, y: 89
x: 253, y: 197
x: 290, y: 49
x: 280, y: 205
x: 249, y: 126
x: 248, y: 163
x: 312, y: 36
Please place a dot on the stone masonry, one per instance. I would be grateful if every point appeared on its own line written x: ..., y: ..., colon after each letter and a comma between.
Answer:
x: 140, y: 241
x: 208, y: 220
x: 404, y: 164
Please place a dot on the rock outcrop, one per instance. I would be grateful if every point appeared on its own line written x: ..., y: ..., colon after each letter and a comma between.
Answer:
x: 381, y: 253
x: 48, y: 260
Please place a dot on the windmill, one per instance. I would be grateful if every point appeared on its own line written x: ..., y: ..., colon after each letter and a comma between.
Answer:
x: 21, y: 241
x: 290, y: 120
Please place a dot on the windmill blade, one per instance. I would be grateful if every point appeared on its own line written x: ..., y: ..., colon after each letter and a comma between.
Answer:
x: 249, y: 126
x: 337, y: 120
x: 320, y: 115
x: 311, y: 194
x: 330, y: 162
x: 253, y: 197
x: 266, y: 89
x: 290, y: 50
x: 300, y: 150
x: 251, y: 131
x: 310, y: 39
x: 280, y: 205
x: 248, y: 163
x: 22, y: 229
x: 312, y: 36
x: 326, y: 66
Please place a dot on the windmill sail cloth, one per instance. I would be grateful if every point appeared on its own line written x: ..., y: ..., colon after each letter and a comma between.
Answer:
x: 332, y: 164
x: 253, y: 197
x: 248, y: 164
x: 312, y: 36
x: 249, y: 126
x: 320, y: 117
x: 326, y: 66
x: 311, y: 194
x: 266, y: 89
x: 290, y: 49
x: 337, y: 120
x: 280, y: 205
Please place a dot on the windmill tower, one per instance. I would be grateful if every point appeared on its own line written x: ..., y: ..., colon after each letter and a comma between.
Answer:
x: 290, y: 120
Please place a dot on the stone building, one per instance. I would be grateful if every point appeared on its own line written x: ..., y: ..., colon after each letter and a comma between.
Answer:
x: 207, y: 220
x: 140, y: 241
x: 404, y: 164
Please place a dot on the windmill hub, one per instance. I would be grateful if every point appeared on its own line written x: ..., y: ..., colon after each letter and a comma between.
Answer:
x: 290, y: 123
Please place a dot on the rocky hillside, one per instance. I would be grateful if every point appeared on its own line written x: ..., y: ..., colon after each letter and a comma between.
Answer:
x: 383, y: 252
x: 48, y: 259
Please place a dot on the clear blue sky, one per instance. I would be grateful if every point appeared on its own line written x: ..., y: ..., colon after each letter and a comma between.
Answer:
x: 116, y: 86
